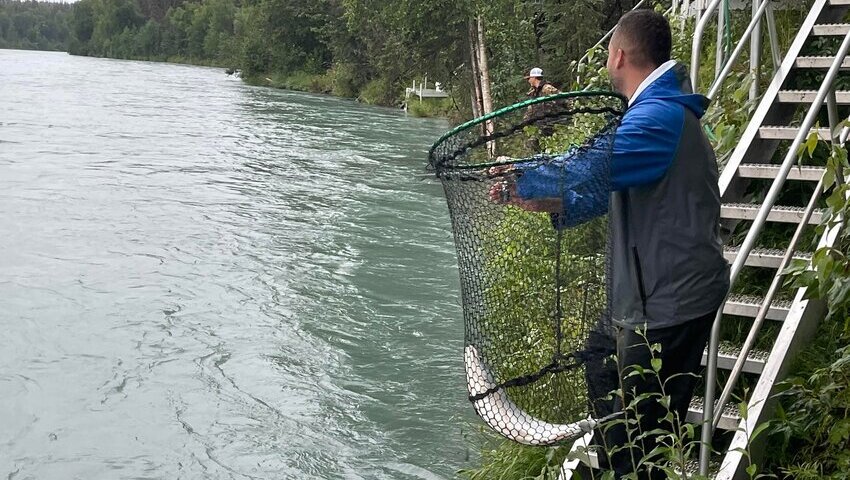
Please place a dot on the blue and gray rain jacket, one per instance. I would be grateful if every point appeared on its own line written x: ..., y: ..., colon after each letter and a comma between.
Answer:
x: 666, y: 254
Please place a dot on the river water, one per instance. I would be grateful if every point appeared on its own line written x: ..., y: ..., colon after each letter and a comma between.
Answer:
x: 204, y: 279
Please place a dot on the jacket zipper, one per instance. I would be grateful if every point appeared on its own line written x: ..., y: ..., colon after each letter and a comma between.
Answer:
x: 640, y: 280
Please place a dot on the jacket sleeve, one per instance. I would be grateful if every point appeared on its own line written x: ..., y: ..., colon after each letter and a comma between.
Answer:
x: 646, y: 143
x: 644, y: 147
x: 579, y: 177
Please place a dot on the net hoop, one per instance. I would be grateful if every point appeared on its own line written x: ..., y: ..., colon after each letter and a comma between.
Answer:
x: 482, y: 231
x: 435, y: 164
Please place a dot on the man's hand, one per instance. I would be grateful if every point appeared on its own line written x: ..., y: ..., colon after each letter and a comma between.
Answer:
x: 504, y: 193
x: 501, y: 171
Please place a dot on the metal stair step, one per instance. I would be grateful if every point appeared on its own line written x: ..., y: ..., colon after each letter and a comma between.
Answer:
x: 770, y: 132
x: 590, y: 457
x: 748, y: 306
x: 820, y: 62
x: 842, y: 97
x: 782, y: 214
x: 729, y: 421
x: 829, y: 29
x: 692, y: 468
x: 764, y: 257
x: 769, y: 171
x: 728, y: 354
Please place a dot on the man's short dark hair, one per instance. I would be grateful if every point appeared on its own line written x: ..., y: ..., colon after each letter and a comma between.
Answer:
x: 646, y: 33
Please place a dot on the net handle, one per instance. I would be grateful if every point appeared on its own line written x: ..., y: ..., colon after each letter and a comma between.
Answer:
x: 526, y: 103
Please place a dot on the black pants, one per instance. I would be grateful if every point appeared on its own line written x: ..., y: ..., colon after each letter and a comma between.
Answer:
x: 681, y: 352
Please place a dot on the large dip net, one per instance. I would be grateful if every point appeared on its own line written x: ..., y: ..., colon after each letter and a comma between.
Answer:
x: 527, y: 189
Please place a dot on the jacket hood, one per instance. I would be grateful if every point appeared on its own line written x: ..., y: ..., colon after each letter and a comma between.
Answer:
x: 675, y: 85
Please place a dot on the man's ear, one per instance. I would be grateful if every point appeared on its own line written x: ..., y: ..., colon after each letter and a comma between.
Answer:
x: 619, y: 58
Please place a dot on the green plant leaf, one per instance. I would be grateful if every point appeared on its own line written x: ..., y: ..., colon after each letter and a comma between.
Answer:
x: 656, y: 364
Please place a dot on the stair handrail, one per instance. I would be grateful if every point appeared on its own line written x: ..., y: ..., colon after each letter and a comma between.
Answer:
x: 729, y: 63
x: 696, y: 46
x: 826, y: 89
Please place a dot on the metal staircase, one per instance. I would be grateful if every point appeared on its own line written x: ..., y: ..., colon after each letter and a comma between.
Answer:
x: 769, y: 129
x: 766, y: 154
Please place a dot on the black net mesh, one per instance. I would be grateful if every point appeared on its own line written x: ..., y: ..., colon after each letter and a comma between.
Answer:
x: 533, y: 274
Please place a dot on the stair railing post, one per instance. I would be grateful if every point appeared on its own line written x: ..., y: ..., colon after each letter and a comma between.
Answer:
x: 832, y: 110
x: 708, y: 403
x: 720, y: 55
x: 718, y: 82
x: 755, y: 55
x: 696, y: 47
x: 774, y: 39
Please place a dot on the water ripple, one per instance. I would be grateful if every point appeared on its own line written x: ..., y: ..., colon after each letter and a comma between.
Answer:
x: 203, y: 279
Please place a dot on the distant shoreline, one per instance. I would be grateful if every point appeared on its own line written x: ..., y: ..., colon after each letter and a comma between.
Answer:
x: 298, y: 82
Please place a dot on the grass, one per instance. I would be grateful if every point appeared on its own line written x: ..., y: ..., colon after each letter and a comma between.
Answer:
x: 298, y: 81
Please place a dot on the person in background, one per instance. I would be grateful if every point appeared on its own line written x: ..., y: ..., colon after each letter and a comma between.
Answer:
x: 535, y: 115
x: 539, y: 86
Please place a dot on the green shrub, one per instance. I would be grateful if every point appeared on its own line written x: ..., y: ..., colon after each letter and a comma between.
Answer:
x: 814, y: 422
x: 380, y: 91
x: 298, y: 81
x: 430, y: 107
x: 343, y: 80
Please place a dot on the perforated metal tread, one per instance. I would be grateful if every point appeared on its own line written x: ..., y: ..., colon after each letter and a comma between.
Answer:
x: 692, y: 467
x: 729, y: 421
x: 769, y: 172
x: 748, y: 306
x: 764, y: 257
x: 779, y: 213
x: 729, y: 353
x: 819, y: 62
x: 808, y: 96
x: 831, y: 29
x: 771, y: 132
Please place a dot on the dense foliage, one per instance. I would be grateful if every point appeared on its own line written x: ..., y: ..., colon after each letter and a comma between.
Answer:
x: 366, y: 48
x: 34, y: 25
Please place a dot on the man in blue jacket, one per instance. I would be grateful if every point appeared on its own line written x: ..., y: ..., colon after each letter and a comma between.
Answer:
x: 669, y: 276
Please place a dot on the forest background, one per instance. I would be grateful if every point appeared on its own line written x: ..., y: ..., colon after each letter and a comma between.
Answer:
x: 365, y: 49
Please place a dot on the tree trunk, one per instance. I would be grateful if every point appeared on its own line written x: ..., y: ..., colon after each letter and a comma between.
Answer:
x: 486, y: 98
x: 477, y: 107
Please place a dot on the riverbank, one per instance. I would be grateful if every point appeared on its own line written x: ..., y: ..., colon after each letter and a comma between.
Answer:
x: 378, y: 92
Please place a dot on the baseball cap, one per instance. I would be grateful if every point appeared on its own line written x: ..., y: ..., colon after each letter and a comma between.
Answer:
x: 535, y: 72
